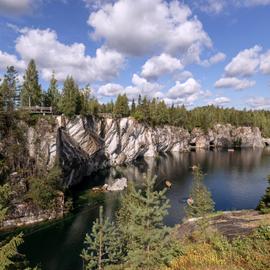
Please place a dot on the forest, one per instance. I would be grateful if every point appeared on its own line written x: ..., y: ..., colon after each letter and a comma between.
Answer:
x: 72, y: 100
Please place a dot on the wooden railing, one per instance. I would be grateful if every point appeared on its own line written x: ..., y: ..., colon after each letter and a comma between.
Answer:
x: 39, y: 110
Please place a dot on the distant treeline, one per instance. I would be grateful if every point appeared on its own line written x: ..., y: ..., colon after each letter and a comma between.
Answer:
x: 73, y: 101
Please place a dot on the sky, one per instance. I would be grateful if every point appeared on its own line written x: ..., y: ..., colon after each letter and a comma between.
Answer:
x: 193, y: 52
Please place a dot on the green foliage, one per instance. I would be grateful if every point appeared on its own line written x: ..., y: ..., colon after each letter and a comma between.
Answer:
x: 103, y: 246
x: 264, y: 204
x: 9, y: 90
x: 149, y: 242
x: 8, y: 251
x: 70, y: 101
x: 201, y: 200
x: 121, y: 107
x: 5, y: 194
x: 139, y: 239
x: 52, y: 97
x: 10, y: 258
x: 43, y: 189
x: 5, y: 197
x: 31, y: 90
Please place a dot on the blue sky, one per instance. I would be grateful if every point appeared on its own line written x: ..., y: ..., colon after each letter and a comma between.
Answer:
x: 185, y: 52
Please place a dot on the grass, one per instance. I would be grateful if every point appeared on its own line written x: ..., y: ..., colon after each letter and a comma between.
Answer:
x: 211, y: 250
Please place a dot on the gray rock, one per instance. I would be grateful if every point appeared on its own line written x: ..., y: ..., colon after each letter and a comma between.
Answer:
x: 118, y: 185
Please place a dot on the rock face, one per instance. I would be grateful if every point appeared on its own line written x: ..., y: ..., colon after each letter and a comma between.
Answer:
x: 25, y: 213
x: 85, y: 145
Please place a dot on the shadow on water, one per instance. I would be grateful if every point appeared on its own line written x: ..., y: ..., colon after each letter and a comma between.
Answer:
x: 236, y: 180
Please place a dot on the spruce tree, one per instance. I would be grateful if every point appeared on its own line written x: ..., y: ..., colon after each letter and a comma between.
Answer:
x: 70, y: 96
x: 10, y: 258
x: 9, y: 89
x: 200, y: 201
x: 264, y: 204
x: 53, y: 95
x: 8, y: 251
x: 31, y: 94
x: 121, y: 107
x: 133, y: 107
x: 103, y: 246
x: 149, y: 242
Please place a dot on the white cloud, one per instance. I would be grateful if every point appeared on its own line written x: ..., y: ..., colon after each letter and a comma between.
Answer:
x: 259, y: 102
x: 218, y: 57
x: 160, y: 65
x: 140, y: 86
x: 182, y: 76
x: 234, y: 83
x: 96, y: 4
x: 144, y: 87
x: 265, y: 63
x: 218, y: 6
x: 211, y: 6
x: 110, y: 90
x: 17, y: 7
x: 245, y: 63
x: 220, y: 101
x: 139, y: 27
x: 10, y: 60
x: 190, y: 87
x: 50, y: 54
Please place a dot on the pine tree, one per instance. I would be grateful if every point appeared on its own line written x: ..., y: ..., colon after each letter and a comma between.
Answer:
x: 264, y: 204
x: 70, y: 95
x: 149, y: 244
x: 121, y: 106
x: 103, y: 245
x: 10, y: 258
x: 53, y: 95
x: 133, y: 107
x: 9, y: 89
x: 8, y: 251
x: 31, y: 94
x: 201, y: 202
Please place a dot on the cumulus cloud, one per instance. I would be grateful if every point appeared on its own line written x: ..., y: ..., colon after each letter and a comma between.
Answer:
x: 182, y: 76
x: 245, y: 63
x: 140, y: 86
x: 160, y: 65
x: 234, y: 83
x: 140, y: 27
x: 218, y: 57
x: 265, y: 63
x: 259, y: 102
x: 17, y: 7
x: 185, y: 93
x: 110, y: 90
x: 10, y: 60
x: 220, y: 101
x: 50, y: 54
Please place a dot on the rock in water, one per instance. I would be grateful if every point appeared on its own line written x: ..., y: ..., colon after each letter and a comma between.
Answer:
x: 118, y: 185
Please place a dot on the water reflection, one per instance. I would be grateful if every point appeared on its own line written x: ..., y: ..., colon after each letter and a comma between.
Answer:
x: 237, y: 180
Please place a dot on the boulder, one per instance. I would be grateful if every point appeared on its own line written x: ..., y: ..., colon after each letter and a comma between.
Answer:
x: 118, y: 185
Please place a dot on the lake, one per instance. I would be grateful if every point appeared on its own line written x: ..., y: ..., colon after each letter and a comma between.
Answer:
x: 237, y: 180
